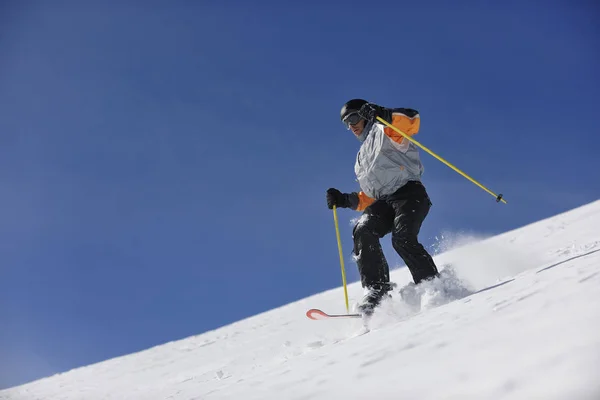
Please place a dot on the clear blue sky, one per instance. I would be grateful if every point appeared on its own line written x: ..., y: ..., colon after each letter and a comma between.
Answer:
x: 163, y: 167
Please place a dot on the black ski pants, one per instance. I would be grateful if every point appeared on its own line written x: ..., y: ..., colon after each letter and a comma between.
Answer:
x: 400, y: 214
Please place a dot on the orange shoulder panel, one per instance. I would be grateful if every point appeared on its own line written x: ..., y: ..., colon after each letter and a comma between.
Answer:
x: 410, y: 126
x: 364, y: 201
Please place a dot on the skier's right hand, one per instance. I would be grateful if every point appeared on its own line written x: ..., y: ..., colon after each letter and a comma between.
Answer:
x: 337, y: 198
x: 370, y: 112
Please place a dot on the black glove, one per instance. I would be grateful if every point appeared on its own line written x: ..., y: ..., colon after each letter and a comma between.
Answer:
x: 370, y: 111
x: 337, y: 198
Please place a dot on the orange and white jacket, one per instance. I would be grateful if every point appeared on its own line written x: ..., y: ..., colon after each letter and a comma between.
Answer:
x: 386, y: 160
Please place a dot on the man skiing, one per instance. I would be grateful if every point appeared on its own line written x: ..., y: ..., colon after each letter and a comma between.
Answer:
x: 392, y: 197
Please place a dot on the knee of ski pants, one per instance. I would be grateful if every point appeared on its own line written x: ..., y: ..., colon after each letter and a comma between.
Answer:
x: 362, y: 229
x: 403, y: 240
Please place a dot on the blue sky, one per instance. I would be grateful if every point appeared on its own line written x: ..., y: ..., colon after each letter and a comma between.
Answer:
x: 163, y: 167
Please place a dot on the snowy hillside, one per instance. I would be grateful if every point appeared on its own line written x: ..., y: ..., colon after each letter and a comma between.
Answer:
x: 530, y: 330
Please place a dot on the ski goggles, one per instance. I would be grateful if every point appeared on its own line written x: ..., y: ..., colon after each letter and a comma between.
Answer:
x: 351, y: 119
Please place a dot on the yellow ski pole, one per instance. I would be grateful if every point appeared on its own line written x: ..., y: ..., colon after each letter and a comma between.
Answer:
x: 339, y: 242
x: 497, y: 196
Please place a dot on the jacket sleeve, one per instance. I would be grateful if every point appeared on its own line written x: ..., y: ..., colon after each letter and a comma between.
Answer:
x: 359, y: 201
x: 406, y: 120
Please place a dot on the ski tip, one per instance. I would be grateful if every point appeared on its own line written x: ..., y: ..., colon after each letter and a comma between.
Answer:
x: 316, y: 314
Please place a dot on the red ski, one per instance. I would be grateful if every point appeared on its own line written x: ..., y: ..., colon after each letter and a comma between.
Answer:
x: 317, y: 314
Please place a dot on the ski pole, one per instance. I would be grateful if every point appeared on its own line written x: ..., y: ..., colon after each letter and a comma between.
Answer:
x: 339, y: 242
x: 497, y: 196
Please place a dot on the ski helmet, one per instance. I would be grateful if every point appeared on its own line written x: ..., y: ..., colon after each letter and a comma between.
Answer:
x: 351, y: 106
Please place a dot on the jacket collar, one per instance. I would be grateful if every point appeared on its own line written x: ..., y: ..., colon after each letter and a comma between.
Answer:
x: 366, y: 131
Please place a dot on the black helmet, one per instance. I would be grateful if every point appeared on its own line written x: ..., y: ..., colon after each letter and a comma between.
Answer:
x: 351, y: 106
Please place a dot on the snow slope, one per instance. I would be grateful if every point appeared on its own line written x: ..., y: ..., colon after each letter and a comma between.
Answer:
x: 530, y: 330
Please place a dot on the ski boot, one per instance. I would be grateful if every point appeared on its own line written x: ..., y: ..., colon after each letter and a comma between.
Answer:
x: 374, y: 295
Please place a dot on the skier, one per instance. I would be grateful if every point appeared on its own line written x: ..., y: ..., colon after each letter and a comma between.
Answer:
x: 392, y: 197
